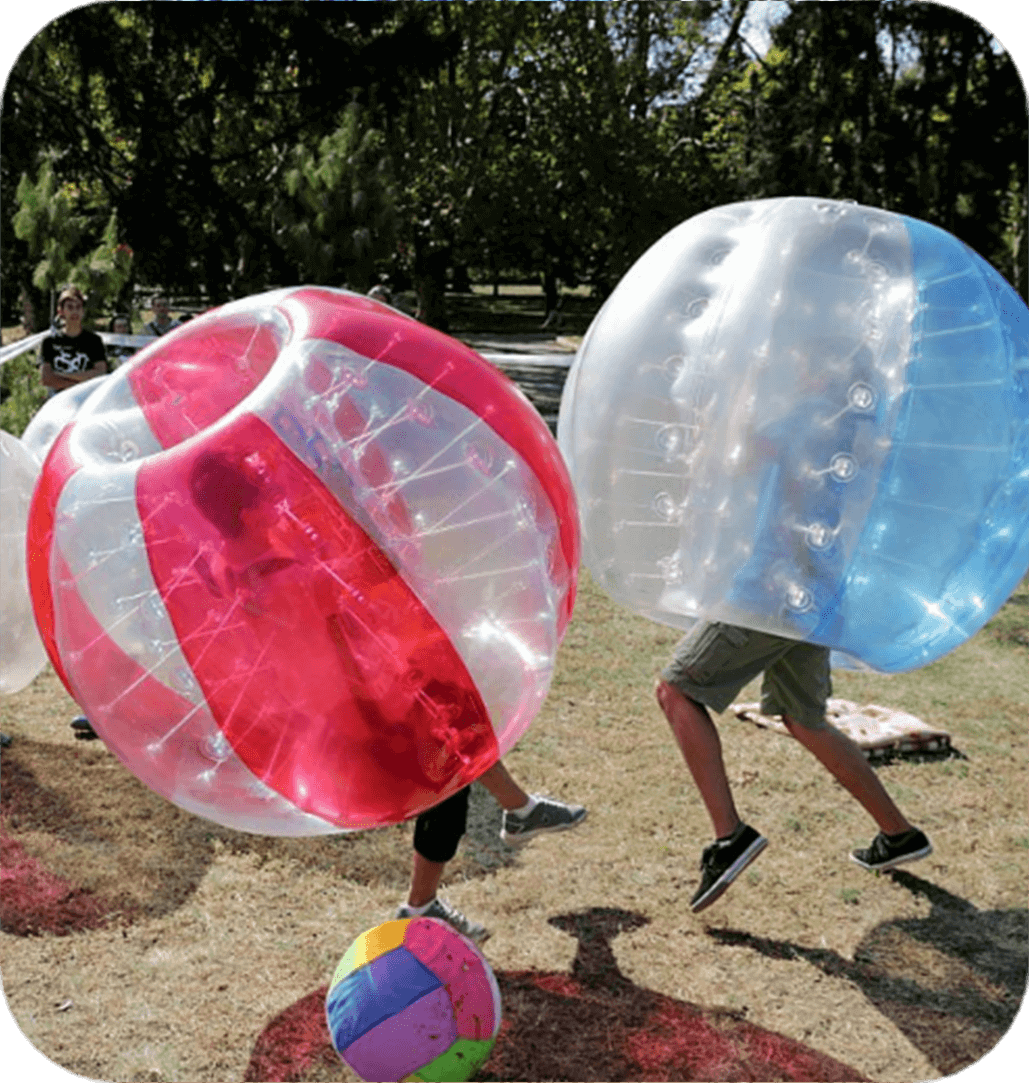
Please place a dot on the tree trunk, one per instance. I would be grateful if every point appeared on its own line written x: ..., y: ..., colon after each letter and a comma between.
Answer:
x: 430, y: 282
x: 462, y: 283
x: 551, y: 293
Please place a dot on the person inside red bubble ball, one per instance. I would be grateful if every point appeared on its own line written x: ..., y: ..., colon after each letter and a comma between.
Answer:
x: 232, y: 494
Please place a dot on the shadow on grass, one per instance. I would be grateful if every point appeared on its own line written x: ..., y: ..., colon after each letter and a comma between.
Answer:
x: 590, y: 1024
x: 85, y: 844
x: 951, y: 982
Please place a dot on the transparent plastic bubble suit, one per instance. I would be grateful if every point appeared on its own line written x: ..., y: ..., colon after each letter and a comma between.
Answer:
x: 21, y: 650
x: 305, y: 563
x: 54, y: 415
x: 810, y: 418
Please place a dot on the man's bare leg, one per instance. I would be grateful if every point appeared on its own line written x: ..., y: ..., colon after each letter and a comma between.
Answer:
x: 426, y: 876
x: 701, y: 748
x: 842, y: 758
x: 506, y: 792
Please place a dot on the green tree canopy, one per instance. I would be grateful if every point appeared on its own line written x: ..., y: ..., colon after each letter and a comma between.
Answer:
x: 247, y: 145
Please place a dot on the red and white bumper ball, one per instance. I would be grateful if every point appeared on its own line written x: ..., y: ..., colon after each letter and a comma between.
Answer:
x: 305, y: 563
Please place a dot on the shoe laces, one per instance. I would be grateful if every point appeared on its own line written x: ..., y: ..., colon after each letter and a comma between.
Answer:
x: 452, y: 914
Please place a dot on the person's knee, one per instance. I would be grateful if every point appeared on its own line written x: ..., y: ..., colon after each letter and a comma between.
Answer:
x: 810, y: 723
x: 662, y: 692
x: 669, y: 697
x: 813, y: 733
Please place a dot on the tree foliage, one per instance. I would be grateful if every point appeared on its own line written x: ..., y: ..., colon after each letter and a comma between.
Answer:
x: 902, y: 105
x: 187, y: 116
x: 56, y: 232
x: 334, y: 211
x: 245, y: 145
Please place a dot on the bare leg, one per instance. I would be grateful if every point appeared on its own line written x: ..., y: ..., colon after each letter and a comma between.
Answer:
x: 845, y: 762
x: 500, y: 783
x: 425, y: 880
x: 702, y: 750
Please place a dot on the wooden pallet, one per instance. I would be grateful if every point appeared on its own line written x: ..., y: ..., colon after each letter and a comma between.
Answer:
x: 880, y: 732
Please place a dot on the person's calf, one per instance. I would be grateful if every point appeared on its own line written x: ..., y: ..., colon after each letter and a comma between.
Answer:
x: 845, y: 761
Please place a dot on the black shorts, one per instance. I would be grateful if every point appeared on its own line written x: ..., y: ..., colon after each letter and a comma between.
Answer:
x: 438, y: 830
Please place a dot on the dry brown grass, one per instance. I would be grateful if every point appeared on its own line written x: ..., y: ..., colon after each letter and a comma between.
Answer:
x: 210, y: 934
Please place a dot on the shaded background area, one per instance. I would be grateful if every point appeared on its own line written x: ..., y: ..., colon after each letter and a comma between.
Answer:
x: 227, y: 148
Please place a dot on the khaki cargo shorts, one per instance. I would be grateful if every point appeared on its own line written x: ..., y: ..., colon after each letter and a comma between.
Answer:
x: 714, y: 661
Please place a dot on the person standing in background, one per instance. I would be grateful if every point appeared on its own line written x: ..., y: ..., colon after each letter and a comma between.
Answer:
x: 72, y: 355
x: 162, y: 323
x: 120, y: 325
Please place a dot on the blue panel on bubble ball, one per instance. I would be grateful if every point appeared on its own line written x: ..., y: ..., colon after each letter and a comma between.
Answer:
x: 947, y: 535
x: 375, y: 992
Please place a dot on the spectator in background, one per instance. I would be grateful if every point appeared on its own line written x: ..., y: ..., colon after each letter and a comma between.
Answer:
x: 28, y: 313
x: 162, y: 323
x: 119, y: 352
x: 72, y: 355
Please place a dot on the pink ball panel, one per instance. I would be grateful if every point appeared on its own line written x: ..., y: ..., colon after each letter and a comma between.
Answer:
x: 470, y: 982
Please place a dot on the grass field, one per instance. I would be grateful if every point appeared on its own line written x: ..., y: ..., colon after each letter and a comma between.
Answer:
x: 169, y: 945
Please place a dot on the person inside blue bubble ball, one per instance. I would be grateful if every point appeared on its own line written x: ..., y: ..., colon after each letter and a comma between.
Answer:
x: 798, y: 430
x: 715, y: 660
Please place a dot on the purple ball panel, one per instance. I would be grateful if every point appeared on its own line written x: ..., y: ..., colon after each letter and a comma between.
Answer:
x: 406, y: 1041
x: 372, y: 993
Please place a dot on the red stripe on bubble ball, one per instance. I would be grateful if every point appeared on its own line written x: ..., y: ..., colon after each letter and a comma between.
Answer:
x: 57, y: 469
x: 326, y: 673
x: 200, y: 372
x: 140, y: 727
x: 373, y: 332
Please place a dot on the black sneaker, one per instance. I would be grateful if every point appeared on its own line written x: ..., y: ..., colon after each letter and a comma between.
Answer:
x: 83, y: 730
x: 722, y: 862
x: 888, y: 851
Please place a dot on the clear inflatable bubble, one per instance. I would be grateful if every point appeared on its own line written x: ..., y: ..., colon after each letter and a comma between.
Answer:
x: 305, y: 563
x: 21, y: 650
x: 810, y: 418
x: 54, y: 414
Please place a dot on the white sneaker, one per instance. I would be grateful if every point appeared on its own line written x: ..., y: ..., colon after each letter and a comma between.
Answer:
x: 441, y: 909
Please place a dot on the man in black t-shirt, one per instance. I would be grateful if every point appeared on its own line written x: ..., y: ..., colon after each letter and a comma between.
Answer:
x: 73, y: 355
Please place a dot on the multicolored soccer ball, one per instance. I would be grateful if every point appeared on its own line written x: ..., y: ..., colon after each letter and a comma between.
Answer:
x: 412, y: 999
